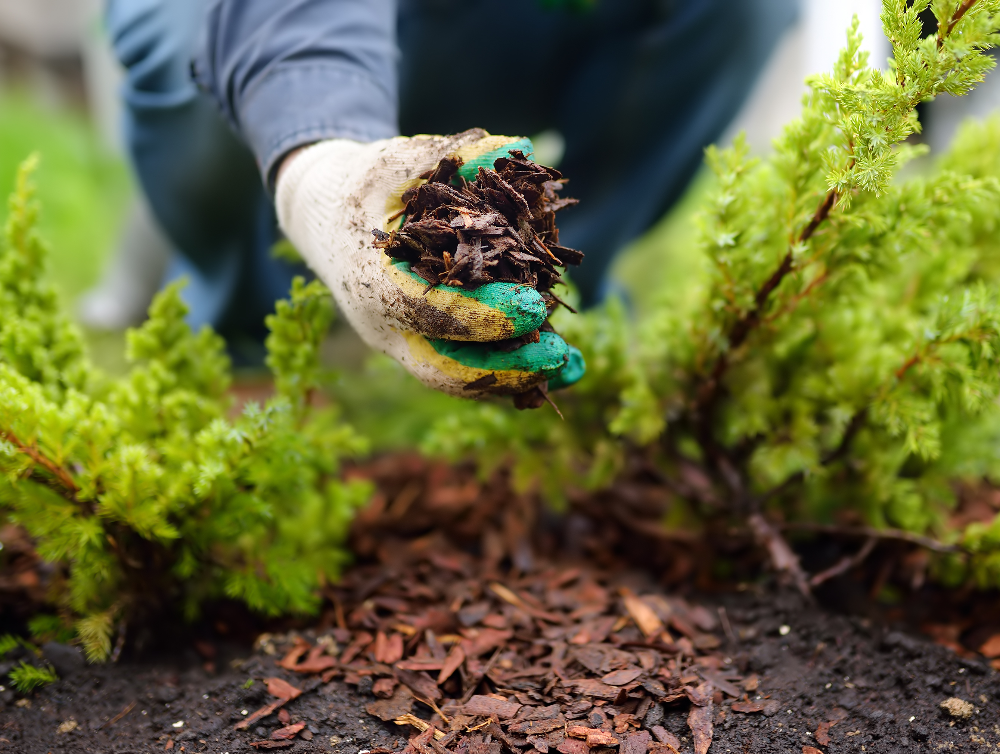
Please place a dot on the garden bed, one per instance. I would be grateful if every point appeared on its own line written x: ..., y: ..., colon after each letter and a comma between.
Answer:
x: 571, y: 634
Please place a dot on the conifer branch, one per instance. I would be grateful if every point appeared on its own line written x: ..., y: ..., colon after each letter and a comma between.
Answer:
x: 708, y: 394
x: 854, y: 426
x: 956, y: 17
x: 58, y: 474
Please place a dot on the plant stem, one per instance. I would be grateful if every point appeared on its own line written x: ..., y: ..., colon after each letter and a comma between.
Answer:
x: 61, y: 476
x: 844, y: 564
x: 704, y: 406
x: 897, y: 535
x: 959, y: 13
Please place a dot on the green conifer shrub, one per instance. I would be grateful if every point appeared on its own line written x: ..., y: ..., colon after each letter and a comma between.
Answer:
x: 837, y: 357
x: 143, y: 490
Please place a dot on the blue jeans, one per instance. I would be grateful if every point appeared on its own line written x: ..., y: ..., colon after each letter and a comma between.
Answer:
x: 201, y: 181
x: 637, y: 88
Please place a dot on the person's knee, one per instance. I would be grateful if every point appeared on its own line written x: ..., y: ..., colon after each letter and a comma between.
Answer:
x: 153, y: 40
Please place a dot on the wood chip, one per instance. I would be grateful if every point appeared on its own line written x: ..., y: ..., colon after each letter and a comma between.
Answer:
x: 486, y: 706
x: 748, y: 707
x: 288, y: 732
x: 647, y: 620
x: 396, y: 706
x: 536, y: 727
x: 595, y: 688
x: 621, y: 677
x: 823, y: 732
x: 700, y: 722
x: 421, y: 725
x: 573, y: 746
x: 991, y: 647
x: 275, y: 687
x: 718, y: 681
x: 421, y: 684
x: 664, y: 736
x: 478, y: 642
x: 451, y: 663
x: 636, y: 743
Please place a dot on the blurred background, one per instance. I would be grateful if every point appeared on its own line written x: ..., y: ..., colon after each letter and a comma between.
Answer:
x: 58, y: 97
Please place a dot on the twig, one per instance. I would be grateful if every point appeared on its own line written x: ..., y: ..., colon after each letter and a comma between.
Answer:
x: 959, y: 13
x: 844, y: 564
x: 552, y: 403
x: 128, y: 708
x: 120, y: 643
x: 727, y: 626
x: 783, y: 558
x: 704, y: 407
x: 561, y: 302
x: 61, y: 475
x: 909, y: 364
x: 897, y: 535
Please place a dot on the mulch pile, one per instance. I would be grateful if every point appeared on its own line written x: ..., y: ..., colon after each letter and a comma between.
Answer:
x: 538, y: 659
x: 499, y: 227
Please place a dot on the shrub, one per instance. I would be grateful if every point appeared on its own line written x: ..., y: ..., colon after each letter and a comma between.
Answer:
x: 142, y: 489
x: 836, y: 356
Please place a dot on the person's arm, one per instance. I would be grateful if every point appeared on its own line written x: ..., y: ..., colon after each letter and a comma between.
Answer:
x: 295, y: 73
x: 290, y: 73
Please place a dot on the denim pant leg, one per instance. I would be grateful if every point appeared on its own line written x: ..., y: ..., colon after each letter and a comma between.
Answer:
x: 201, y: 181
x: 638, y: 89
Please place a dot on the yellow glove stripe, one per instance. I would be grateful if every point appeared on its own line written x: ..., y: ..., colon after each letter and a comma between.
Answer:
x: 485, y: 145
x: 508, y: 381
x: 483, y: 322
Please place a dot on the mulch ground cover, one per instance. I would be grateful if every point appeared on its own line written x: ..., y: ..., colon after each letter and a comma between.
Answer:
x: 476, y: 623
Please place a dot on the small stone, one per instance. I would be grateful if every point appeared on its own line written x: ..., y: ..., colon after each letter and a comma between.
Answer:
x: 67, y: 726
x: 958, y: 708
x: 65, y: 659
x: 306, y: 734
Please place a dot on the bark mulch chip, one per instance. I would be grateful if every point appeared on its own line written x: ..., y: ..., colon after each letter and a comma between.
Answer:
x: 499, y: 227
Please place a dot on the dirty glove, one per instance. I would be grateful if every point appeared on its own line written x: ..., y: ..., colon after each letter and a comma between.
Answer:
x: 333, y: 194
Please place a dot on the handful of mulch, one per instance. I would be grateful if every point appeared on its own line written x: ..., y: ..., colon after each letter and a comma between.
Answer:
x: 499, y: 227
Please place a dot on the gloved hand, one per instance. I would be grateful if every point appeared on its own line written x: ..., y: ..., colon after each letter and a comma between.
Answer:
x: 329, y: 198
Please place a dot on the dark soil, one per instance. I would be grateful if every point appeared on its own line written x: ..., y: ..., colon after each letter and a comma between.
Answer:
x: 758, y: 665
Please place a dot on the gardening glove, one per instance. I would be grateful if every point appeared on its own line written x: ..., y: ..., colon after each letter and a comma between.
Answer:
x: 332, y: 195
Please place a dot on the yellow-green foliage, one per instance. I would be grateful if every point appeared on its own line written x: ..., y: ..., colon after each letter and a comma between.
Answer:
x: 838, y: 351
x: 143, y: 490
